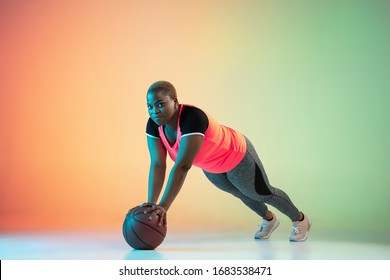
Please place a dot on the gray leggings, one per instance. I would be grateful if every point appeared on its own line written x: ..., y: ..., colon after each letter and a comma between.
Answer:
x: 248, y: 181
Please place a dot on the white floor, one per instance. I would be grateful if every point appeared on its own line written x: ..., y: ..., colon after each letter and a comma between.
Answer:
x: 194, y: 246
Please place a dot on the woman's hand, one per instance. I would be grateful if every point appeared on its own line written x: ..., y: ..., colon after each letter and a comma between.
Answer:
x: 146, y: 204
x: 158, y: 210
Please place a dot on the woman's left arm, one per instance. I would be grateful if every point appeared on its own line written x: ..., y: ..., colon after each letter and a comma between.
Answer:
x: 189, y: 148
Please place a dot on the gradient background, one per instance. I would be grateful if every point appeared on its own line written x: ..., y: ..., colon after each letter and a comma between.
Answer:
x: 306, y: 81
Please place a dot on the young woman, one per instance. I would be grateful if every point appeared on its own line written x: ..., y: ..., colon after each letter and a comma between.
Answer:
x: 228, y: 159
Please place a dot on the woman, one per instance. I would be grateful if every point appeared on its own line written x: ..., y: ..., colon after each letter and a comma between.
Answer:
x: 192, y: 137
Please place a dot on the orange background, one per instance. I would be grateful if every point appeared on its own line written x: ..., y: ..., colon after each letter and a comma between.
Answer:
x: 306, y: 81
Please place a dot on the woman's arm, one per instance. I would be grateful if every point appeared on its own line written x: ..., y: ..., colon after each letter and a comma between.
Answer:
x: 189, y: 148
x: 158, y: 155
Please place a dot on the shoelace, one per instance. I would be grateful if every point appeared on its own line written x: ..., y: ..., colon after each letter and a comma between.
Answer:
x: 296, y: 229
x: 264, y: 226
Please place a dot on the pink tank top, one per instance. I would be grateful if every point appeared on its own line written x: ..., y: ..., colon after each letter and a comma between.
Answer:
x: 223, y: 147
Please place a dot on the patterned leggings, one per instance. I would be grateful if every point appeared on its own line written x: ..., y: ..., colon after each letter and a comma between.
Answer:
x: 248, y: 181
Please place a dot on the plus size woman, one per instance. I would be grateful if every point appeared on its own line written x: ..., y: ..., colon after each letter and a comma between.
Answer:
x: 192, y: 137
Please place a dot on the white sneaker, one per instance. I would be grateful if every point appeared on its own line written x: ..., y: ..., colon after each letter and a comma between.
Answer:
x: 267, y: 227
x: 300, y: 229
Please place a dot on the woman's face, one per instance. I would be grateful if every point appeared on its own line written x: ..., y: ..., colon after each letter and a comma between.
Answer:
x: 161, y: 107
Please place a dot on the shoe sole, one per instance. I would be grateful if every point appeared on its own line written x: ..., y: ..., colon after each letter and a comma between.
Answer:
x: 306, y: 235
x: 276, y: 224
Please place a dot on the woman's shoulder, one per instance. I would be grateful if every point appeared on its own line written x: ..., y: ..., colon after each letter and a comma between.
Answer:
x: 191, y: 109
x: 192, y: 117
x: 152, y: 129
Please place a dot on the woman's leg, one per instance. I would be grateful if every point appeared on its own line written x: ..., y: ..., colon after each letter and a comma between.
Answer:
x: 222, y: 182
x: 250, y: 180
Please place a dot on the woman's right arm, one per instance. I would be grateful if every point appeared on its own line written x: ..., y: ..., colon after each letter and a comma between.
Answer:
x: 158, y: 155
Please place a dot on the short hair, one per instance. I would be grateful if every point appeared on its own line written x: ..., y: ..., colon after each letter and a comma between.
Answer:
x: 165, y: 87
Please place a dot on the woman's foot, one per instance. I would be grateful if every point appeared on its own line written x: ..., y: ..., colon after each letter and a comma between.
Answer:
x: 267, y: 227
x: 300, y: 229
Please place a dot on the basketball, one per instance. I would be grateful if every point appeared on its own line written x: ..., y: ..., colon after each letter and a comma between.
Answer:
x: 140, y: 232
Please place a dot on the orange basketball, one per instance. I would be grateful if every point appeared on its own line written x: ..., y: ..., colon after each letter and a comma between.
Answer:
x: 140, y: 232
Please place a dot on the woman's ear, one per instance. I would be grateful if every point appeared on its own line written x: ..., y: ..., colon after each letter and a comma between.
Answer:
x: 176, y: 101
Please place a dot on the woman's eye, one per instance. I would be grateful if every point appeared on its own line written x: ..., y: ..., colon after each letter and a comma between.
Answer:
x: 160, y: 105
